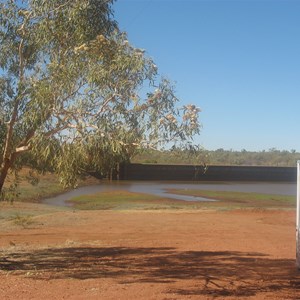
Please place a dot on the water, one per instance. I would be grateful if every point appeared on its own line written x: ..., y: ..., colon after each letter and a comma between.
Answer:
x: 159, y: 189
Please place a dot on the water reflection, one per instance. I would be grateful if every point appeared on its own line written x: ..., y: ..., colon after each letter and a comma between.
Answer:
x: 159, y: 189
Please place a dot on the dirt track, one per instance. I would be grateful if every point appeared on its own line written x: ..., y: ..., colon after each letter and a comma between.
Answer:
x: 151, y: 255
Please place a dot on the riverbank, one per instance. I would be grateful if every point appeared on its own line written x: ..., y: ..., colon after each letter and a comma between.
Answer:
x: 44, y: 186
x: 163, y: 254
x: 156, y: 253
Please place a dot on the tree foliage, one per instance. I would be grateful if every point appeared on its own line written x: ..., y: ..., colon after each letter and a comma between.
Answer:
x: 69, y: 90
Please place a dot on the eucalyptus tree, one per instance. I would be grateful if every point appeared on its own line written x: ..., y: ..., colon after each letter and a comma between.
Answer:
x: 70, y: 90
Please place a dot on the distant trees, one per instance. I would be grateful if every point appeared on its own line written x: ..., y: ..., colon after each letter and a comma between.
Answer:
x: 69, y: 91
x: 272, y: 157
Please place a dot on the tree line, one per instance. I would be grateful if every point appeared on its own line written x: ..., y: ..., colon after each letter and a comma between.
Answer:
x: 271, y: 157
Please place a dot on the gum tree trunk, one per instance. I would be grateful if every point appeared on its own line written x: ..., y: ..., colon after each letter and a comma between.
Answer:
x: 4, y: 172
x: 6, y: 165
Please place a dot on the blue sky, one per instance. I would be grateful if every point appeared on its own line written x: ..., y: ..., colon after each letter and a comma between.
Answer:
x: 239, y: 61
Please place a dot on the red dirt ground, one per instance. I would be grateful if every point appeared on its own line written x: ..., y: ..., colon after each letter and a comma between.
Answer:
x: 159, y: 255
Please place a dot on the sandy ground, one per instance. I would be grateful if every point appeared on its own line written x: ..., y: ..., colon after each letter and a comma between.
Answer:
x: 151, y: 255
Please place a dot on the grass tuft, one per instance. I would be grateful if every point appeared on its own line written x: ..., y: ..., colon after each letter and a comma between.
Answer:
x: 23, y: 220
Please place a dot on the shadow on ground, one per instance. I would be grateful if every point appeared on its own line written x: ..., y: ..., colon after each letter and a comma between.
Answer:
x: 226, y: 273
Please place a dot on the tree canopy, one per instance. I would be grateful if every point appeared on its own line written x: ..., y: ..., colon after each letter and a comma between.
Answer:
x: 72, y: 90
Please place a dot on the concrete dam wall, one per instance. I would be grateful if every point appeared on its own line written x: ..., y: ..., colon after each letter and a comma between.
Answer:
x: 209, y: 173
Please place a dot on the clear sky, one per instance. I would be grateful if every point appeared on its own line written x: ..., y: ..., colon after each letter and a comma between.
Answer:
x: 239, y: 61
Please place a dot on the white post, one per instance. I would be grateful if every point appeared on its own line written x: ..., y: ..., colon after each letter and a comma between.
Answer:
x: 297, y: 217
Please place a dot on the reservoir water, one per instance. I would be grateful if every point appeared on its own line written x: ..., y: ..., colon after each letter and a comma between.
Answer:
x: 160, y: 189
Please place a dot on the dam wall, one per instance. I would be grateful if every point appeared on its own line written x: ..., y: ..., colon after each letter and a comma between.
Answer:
x: 208, y: 173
